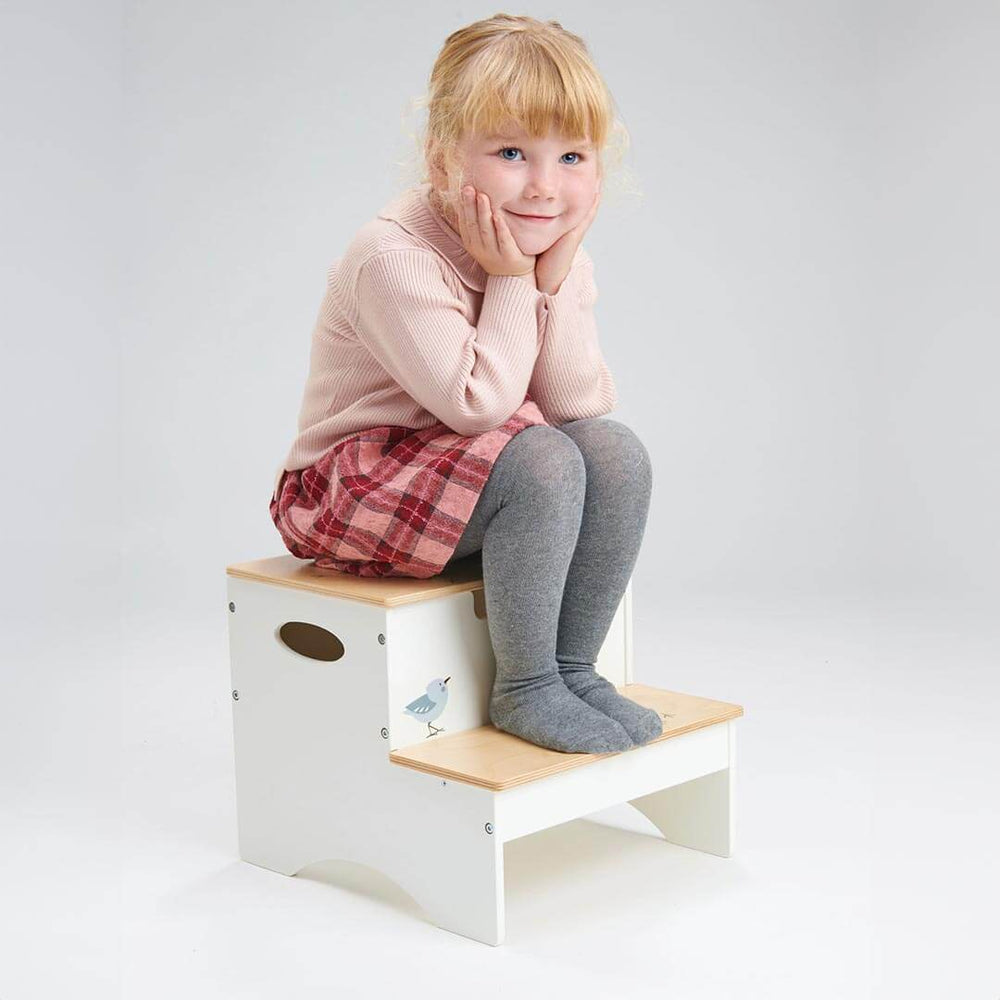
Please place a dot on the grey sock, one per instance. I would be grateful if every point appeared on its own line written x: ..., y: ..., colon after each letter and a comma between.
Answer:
x: 543, y: 711
x: 641, y: 723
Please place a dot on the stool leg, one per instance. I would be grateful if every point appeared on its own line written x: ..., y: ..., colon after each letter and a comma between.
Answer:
x: 441, y: 847
x: 459, y: 885
x: 698, y: 813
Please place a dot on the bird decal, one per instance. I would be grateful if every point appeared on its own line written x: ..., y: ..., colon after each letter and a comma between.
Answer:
x: 429, y: 706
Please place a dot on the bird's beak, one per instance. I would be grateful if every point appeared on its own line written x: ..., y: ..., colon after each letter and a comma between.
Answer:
x: 448, y: 678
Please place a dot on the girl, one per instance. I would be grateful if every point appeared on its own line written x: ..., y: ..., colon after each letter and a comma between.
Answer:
x: 457, y: 393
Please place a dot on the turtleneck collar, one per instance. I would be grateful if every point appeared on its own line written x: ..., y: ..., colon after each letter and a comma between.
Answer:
x: 416, y: 214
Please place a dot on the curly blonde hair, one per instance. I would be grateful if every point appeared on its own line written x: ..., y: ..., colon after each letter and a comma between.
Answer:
x: 514, y: 69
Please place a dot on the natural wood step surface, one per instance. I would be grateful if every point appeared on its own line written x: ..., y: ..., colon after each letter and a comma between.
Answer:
x: 492, y: 759
x: 389, y: 591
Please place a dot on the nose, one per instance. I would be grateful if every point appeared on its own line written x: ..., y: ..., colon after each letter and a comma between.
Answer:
x: 541, y: 182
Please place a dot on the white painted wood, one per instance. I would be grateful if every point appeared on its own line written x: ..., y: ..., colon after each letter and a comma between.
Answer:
x: 567, y: 795
x: 438, y: 639
x: 699, y: 813
x: 313, y: 777
x: 312, y: 738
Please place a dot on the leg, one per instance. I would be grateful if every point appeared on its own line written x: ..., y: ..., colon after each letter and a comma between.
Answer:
x: 527, y: 522
x: 615, y: 510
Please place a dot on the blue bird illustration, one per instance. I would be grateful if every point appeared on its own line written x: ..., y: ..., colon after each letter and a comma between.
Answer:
x: 429, y: 706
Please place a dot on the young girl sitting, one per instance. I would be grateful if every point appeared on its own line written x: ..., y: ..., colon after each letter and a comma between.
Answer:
x: 457, y: 394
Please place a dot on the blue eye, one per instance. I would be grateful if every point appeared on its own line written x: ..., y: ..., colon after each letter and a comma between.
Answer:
x: 516, y: 150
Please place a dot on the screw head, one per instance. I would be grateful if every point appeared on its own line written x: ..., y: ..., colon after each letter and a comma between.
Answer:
x: 381, y: 639
x: 232, y: 607
x: 236, y: 695
x: 489, y: 827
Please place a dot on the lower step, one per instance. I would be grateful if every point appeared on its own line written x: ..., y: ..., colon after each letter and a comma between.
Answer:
x: 492, y: 759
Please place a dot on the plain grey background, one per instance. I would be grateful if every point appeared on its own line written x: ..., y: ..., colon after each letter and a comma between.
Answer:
x: 800, y: 314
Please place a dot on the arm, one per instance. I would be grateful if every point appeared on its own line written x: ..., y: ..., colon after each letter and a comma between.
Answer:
x: 470, y: 377
x: 571, y: 380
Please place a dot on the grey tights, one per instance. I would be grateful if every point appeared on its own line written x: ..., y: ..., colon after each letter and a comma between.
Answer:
x: 559, y: 523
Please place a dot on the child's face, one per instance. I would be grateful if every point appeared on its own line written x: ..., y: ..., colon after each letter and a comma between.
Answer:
x: 552, y: 176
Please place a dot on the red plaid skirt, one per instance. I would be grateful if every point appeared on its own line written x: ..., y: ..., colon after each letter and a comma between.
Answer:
x: 390, y: 501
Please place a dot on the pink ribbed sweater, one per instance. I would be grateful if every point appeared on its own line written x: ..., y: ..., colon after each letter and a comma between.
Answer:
x: 412, y: 330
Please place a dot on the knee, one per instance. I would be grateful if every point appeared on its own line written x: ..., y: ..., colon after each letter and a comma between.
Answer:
x: 608, y: 445
x: 544, y: 461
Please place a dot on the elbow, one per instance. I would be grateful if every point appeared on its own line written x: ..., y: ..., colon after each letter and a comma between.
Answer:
x: 474, y: 420
x: 473, y: 426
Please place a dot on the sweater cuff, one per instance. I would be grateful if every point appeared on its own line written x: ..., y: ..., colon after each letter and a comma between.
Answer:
x: 511, y: 292
x: 511, y: 305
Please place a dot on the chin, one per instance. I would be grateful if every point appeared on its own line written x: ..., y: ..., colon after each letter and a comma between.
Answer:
x: 537, y: 243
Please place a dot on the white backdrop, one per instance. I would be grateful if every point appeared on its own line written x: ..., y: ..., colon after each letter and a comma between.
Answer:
x: 800, y: 313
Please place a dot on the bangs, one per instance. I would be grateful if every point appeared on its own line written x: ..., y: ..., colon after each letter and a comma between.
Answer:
x: 522, y: 84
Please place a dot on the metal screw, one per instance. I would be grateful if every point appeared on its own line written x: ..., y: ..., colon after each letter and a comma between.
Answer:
x: 381, y: 639
x: 236, y: 695
x: 489, y: 827
x: 232, y: 607
x: 443, y: 783
x: 385, y: 733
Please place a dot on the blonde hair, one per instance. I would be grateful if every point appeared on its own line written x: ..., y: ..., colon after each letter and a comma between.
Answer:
x: 514, y: 69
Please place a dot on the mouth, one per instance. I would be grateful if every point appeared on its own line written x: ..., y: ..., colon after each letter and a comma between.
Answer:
x: 534, y: 218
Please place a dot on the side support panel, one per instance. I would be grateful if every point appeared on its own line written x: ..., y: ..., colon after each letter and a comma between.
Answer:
x: 698, y: 814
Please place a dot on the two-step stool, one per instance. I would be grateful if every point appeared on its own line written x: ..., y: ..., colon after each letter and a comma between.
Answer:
x: 362, y: 733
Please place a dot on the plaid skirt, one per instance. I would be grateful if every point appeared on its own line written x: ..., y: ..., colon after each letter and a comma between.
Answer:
x: 390, y: 501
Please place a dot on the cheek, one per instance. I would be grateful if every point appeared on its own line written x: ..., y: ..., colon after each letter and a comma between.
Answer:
x: 488, y: 176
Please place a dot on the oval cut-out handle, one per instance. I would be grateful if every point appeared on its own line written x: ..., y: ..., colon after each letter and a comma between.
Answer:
x: 311, y: 640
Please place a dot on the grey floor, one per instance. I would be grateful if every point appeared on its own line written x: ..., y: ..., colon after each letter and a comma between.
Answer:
x: 867, y: 825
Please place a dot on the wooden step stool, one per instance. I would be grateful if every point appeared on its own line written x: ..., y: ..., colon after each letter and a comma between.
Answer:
x: 362, y: 733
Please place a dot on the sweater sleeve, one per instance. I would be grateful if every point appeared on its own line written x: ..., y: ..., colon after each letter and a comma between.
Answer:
x: 571, y: 380
x: 471, y: 377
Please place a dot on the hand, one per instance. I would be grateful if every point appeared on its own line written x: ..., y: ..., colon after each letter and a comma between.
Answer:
x: 552, y: 266
x: 486, y: 236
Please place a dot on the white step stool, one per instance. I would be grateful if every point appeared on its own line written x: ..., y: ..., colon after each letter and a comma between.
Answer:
x: 329, y: 764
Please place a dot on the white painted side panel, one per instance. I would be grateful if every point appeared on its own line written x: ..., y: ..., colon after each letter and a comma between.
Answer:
x: 313, y: 777
x: 434, y: 640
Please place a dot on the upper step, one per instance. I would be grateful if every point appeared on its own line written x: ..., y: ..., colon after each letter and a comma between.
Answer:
x: 388, y: 591
x: 496, y: 760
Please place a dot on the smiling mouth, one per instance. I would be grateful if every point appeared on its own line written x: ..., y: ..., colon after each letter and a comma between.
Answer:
x: 535, y: 218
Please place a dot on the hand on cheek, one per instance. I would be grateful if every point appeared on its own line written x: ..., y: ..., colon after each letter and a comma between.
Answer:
x: 552, y: 265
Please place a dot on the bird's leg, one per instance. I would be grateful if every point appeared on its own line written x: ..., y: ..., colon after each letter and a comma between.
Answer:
x: 434, y: 730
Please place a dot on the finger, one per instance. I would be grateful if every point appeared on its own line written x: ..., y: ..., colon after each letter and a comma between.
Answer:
x: 471, y: 233
x: 485, y: 222
x: 505, y: 238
